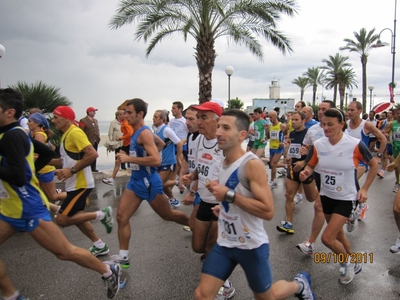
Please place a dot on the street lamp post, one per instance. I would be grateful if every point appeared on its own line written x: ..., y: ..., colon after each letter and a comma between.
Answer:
x: 229, y: 71
x: 392, y: 84
x: 2, y: 52
x: 371, y: 88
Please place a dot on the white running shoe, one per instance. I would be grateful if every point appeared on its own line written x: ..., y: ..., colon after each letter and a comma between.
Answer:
x: 298, y: 199
x: 272, y: 185
x: 395, y: 249
x: 306, y: 247
x: 351, y: 222
x: 346, y: 273
x: 109, y: 181
x: 225, y: 292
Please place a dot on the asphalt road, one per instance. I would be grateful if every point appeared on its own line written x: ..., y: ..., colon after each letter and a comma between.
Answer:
x: 163, y: 266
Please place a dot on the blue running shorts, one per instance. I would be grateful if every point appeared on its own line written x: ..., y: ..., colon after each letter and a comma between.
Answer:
x: 45, y: 177
x: 26, y: 224
x: 146, y: 188
x: 221, y: 261
x: 272, y: 152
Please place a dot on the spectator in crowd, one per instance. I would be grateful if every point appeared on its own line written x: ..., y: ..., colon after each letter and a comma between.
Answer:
x: 90, y: 126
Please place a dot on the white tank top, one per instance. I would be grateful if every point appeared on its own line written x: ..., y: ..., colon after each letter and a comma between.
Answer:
x: 208, y: 162
x: 236, y: 227
x: 356, y: 132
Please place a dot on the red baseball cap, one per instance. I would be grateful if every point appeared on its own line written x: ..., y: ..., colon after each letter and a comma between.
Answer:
x: 210, y: 106
x: 91, y: 109
x: 64, y: 112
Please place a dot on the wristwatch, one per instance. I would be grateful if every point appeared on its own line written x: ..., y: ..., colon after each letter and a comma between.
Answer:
x: 230, y: 196
x: 193, y: 193
x: 73, y: 171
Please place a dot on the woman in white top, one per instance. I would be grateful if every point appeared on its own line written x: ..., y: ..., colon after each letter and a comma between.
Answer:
x: 337, y: 156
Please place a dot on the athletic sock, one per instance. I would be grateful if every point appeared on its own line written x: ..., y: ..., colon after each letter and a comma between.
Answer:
x: 124, y: 253
x: 99, y: 244
x: 301, y: 287
x: 12, y: 297
x: 227, y: 284
x: 108, y: 273
x: 100, y: 215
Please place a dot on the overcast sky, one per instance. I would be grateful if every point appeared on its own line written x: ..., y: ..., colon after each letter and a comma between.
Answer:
x: 68, y: 44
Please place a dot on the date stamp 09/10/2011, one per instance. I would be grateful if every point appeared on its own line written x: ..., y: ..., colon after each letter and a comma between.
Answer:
x: 354, y: 257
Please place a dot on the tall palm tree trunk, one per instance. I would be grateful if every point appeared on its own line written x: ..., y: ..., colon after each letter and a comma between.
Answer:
x: 341, y: 95
x: 364, y: 82
x: 314, y: 94
x: 335, y: 93
x: 205, y: 58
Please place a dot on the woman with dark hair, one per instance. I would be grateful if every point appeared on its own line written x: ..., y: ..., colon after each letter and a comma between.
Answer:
x: 337, y: 155
x: 40, y: 130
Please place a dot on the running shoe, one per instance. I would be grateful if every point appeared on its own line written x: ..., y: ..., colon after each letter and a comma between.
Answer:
x: 357, y: 268
x: 298, y: 199
x: 107, y: 221
x: 99, y: 251
x: 395, y: 188
x: 285, y: 227
x: 21, y: 297
x: 346, y: 273
x: 272, y: 185
x: 122, y: 260
x: 351, y: 222
x: 113, y: 282
x: 109, y: 181
x: 361, y: 210
x: 306, y: 247
x: 174, y: 202
x: 187, y: 228
x: 395, y: 249
x: 282, y: 173
x: 381, y: 173
x: 225, y: 292
x: 304, y: 280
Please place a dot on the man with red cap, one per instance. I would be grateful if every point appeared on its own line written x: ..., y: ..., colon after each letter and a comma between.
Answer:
x: 76, y: 156
x: 207, y: 161
x: 90, y: 126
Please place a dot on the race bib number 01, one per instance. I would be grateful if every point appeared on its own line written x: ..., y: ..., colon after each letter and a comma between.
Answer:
x: 231, y: 229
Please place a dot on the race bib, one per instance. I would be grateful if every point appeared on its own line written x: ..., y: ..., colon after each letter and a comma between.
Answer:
x: 134, y: 167
x: 332, y: 180
x: 205, y: 171
x: 396, y: 135
x: 294, y: 151
x: 274, y: 135
x: 231, y: 229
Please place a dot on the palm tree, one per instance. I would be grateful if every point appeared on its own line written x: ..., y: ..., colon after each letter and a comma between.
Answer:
x: 315, y: 77
x: 302, y: 83
x: 206, y: 21
x: 41, y: 95
x: 45, y: 97
x: 346, y: 80
x: 333, y: 65
x: 362, y: 45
